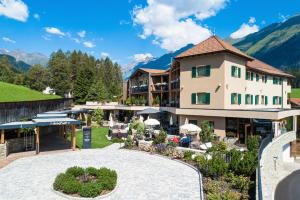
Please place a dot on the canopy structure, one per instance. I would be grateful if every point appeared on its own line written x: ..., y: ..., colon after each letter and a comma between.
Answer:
x: 70, y: 111
x: 47, y: 116
x: 151, y: 122
x: 55, y: 121
x: 148, y: 111
x: 17, y: 125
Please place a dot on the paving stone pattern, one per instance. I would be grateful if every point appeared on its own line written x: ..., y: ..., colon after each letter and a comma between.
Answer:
x: 140, y: 175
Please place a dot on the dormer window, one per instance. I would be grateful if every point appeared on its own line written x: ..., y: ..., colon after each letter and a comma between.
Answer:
x: 235, y: 72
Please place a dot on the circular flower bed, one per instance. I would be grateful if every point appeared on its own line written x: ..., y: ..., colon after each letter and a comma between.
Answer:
x: 89, y: 182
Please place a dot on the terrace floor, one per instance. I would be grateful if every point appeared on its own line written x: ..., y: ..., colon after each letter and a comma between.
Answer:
x: 140, y: 175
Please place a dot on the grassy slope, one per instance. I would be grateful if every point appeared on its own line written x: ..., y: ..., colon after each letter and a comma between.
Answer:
x: 15, y: 93
x: 295, y: 93
x: 99, y: 139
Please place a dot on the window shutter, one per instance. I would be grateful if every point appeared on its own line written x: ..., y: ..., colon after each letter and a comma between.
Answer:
x: 280, y: 81
x: 251, y: 99
x: 194, y: 72
x: 266, y: 100
x: 239, y: 99
x: 207, y: 98
x: 256, y: 99
x: 247, y: 75
x: 280, y: 100
x: 207, y: 70
x: 252, y: 76
x: 266, y: 78
x: 274, y: 100
x: 194, y: 98
x: 257, y: 77
x: 239, y: 72
x: 233, y: 71
x: 246, y: 99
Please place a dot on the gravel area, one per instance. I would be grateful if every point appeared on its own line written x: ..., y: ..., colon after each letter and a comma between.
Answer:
x: 140, y: 175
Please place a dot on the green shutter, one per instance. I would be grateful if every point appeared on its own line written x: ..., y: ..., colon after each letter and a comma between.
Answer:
x: 274, y: 100
x: 239, y: 99
x: 246, y: 99
x: 266, y: 100
x: 207, y: 70
x: 232, y: 98
x: 207, y: 95
x: 247, y: 76
x: 280, y: 100
x: 251, y: 99
x: 266, y: 78
x: 194, y: 72
x: 256, y: 99
x: 239, y: 72
x: 232, y: 71
x: 194, y: 96
x: 252, y: 76
x: 257, y: 77
x: 280, y: 81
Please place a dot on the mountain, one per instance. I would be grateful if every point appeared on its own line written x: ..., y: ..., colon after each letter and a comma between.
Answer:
x: 276, y: 44
x: 30, y: 58
x: 162, y: 62
x: 17, y: 65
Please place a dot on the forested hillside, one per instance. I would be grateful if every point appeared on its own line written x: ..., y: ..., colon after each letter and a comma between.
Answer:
x: 84, y: 76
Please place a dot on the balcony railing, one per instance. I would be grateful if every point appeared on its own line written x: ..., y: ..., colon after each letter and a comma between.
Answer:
x: 174, y: 103
x: 175, y: 84
x: 139, y: 89
x: 159, y: 88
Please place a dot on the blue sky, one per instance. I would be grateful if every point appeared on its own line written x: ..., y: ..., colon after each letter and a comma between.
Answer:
x: 131, y: 29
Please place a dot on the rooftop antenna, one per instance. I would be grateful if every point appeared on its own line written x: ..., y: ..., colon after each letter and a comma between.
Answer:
x: 214, y: 31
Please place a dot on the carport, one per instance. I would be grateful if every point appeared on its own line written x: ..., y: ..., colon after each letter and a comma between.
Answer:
x: 42, y: 120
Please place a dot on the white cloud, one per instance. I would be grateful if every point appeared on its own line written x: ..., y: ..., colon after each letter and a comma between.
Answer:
x: 142, y: 57
x: 6, y: 39
x: 46, y: 37
x: 14, y: 9
x: 81, y: 33
x: 89, y: 44
x: 54, y: 31
x: 245, y: 29
x: 104, y: 54
x: 36, y: 16
x: 172, y: 22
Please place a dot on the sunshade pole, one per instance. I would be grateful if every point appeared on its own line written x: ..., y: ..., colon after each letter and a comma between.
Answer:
x: 2, y: 137
x: 37, y: 141
x: 73, y: 138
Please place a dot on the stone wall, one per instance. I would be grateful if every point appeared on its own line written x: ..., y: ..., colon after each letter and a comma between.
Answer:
x: 3, y: 151
x: 272, y: 169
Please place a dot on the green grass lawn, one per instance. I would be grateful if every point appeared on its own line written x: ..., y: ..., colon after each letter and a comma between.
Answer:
x: 99, y: 139
x: 295, y: 93
x: 16, y: 93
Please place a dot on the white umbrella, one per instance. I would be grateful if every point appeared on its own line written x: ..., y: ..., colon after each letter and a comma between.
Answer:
x: 151, y: 122
x: 141, y: 118
x: 190, y: 128
x: 111, y: 122
x: 186, y: 121
x: 171, y: 121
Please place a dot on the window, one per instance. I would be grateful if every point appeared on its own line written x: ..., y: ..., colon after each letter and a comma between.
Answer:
x: 277, y: 100
x: 262, y: 100
x: 201, y: 98
x: 248, y: 75
x: 252, y: 76
x: 195, y: 122
x: 235, y: 72
x: 289, y: 82
x: 257, y: 77
x: 236, y: 99
x: 266, y: 100
x: 263, y: 78
x: 256, y: 99
x: 201, y: 71
x: 275, y: 80
x: 248, y: 99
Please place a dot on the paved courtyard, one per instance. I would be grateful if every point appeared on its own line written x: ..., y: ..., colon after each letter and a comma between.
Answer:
x: 140, y: 175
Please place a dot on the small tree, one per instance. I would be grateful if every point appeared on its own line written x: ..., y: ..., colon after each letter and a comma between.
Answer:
x: 98, y: 116
x: 253, y: 143
x: 161, y: 138
x: 206, y: 132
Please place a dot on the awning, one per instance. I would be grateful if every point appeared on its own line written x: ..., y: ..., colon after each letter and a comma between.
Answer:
x: 148, y: 111
x: 18, y: 125
x: 55, y: 121
x: 70, y: 111
x: 46, y: 115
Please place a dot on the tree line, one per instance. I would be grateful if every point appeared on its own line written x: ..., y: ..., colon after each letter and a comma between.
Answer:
x: 84, y: 76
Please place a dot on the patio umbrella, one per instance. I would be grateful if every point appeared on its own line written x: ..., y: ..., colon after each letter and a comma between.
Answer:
x: 171, y: 121
x: 111, y: 122
x: 151, y: 122
x: 141, y: 118
x: 191, y: 128
x: 186, y: 121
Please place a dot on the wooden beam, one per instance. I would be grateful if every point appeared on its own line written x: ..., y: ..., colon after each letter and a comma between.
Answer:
x: 73, y: 138
x: 37, y: 140
x: 2, y: 137
x: 18, y: 133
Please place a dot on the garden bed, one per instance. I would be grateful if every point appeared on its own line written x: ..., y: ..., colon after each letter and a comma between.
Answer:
x: 86, y: 183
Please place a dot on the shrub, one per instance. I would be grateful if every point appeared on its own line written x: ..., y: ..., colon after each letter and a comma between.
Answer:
x: 128, y: 143
x: 253, y: 143
x: 117, y: 140
x: 201, y: 162
x: 60, y: 180
x: 220, y: 147
x: 206, y: 133
x: 90, y: 190
x: 188, y: 155
x: 107, y: 178
x: 92, y: 171
x: 240, y: 183
x: 217, y: 166
x: 98, y: 116
x: 248, y: 164
x: 71, y: 186
x: 160, y: 138
x: 235, y: 159
x: 75, y: 171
